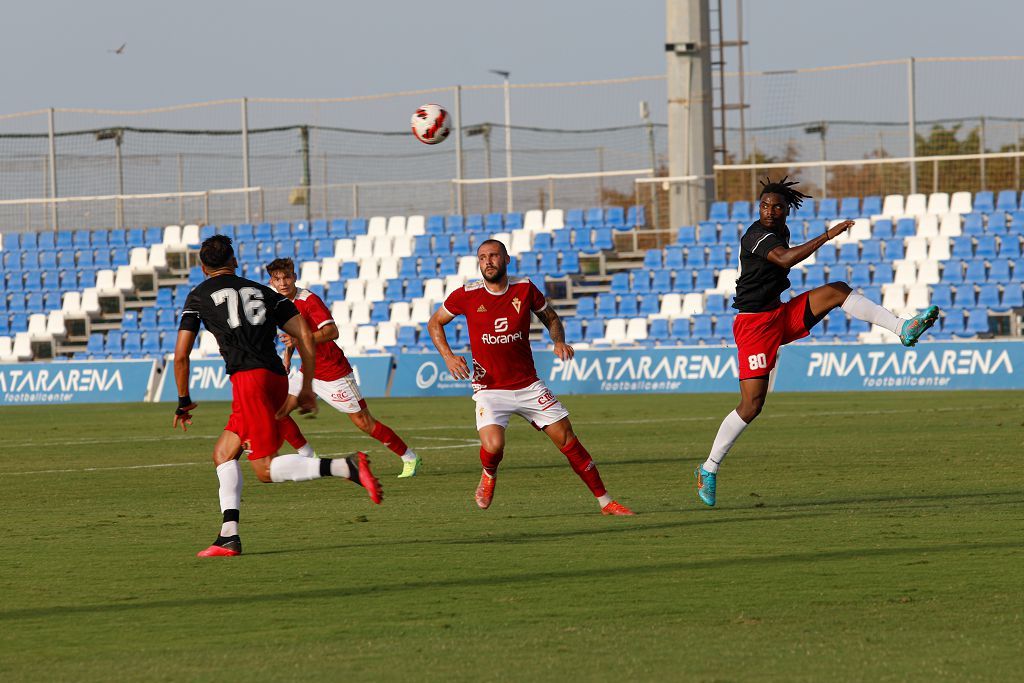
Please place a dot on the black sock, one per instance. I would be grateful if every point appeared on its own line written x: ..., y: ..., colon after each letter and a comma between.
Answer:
x: 325, y: 467
x: 353, y: 470
x: 231, y: 515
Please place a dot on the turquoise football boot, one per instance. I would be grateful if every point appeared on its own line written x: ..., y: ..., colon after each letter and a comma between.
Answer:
x: 918, y: 325
x: 705, y: 485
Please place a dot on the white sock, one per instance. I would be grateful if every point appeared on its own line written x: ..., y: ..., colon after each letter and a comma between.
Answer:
x: 409, y: 456
x: 732, y: 426
x: 604, y: 500
x: 862, y: 308
x: 340, y: 468
x: 230, y: 476
x: 294, y: 467
x: 306, y: 451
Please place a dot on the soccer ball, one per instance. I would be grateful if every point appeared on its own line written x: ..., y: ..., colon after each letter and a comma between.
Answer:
x: 431, y: 124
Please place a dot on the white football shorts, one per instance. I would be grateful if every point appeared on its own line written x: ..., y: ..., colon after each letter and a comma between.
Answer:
x: 535, y: 403
x: 341, y: 394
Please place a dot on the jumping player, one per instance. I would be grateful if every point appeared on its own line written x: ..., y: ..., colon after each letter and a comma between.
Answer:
x: 244, y: 317
x: 504, y: 379
x: 764, y: 323
x: 334, y: 381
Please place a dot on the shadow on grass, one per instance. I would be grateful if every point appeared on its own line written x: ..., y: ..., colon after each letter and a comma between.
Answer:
x: 619, y: 572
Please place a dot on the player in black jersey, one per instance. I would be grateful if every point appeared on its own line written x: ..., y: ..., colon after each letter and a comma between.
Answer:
x: 244, y: 316
x: 765, y: 323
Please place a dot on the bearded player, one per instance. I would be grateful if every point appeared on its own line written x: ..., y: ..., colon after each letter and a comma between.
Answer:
x: 244, y: 317
x: 334, y: 381
x: 764, y: 323
x: 504, y: 378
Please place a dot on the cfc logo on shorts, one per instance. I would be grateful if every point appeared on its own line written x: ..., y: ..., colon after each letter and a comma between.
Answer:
x: 341, y: 396
x: 546, y: 399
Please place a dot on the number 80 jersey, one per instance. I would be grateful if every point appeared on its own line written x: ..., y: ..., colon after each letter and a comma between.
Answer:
x: 243, y: 316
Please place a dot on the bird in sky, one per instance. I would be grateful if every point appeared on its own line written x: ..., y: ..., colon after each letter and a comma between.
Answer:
x: 120, y: 50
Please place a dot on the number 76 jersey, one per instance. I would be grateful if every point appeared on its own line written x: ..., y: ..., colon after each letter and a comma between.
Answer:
x: 243, y: 316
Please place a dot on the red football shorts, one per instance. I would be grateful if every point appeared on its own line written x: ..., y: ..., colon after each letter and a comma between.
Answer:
x: 256, y: 396
x: 759, y: 335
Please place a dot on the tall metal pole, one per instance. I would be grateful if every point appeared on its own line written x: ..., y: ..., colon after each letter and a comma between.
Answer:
x: 54, y: 219
x: 458, y: 150
x: 981, y: 149
x: 245, y: 156
x: 304, y: 141
x: 508, y: 143
x: 742, y: 78
x: 120, y: 179
x: 690, y: 122
x: 912, y: 125
x: 645, y: 116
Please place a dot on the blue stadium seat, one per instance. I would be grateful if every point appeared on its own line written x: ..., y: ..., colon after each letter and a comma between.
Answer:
x: 94, y: 346
x: 806, y: 210
x: 628, y: 307
x: 324, y: 249
x: 300, y: 230
x: 975, y: 273
x: 1007, y: 201
x: 974, y: 224
x: 977, y: 321
x: 413, y: 288
x: 615, y: 218
x: 407, y: 268
x: 828, y: 209
x: 585, y: 307
x: 702, y: 328
x: 263, y: 232
x: 151, y: 344
x: 561, y: 240
x: 358, y: 226
x: 650, y: 304
x: 999, y: 271
x: 636, y: 216
x: 984, y: 202
x: 542, y: 242
x: 906, y: 227
x: 705, y: 279
x: 447, y: 265
x: 814, y: 276
x: 337, y: 228
x: 659, y: 331
x: 29, y: 241
x: 81, y: 239
x: 381, y: 312
x: 826, y: 254
x: 514, y: 220
x: 719, y: 212
x: 652, y: 259
x: 320, y: 230
x: 305, y: 251
x: 1009, y: 247
x: 112, y: 344
x: 620, y: 283
x: 164, y: 298
x: 135, y: 237
x: 988, y: 297
x: 475, y: 222
x: 741, y: 212
x: 167, y: 319
x: 717, y: 257
x: 1013, y: 296
x: 462, y: 244
x: 715, y: 304
x: 580, y: 240
x: 696, y: 258
x: 594, y: 217
x: 686, y: 236
x: 962, y: 248
x: 707, y: 233
x: 65, y: 240
x: 662, y: 281
x: 132, y: 343
x: 849, y: 207
x: 871, y: 251
x: 443, y: 245
x: 34, y: 302
x: 570, y: 262
x: 985, y: 247
x: 603, y: 240
x: 154, y: 235
x: 882, y: 229
x: 46, y: 241
x: 549, y: 264
x: 101, y: 238
x: 872, y: 206
x: 574, y: 218
x: 893, y: 249
x: 848, y: 253
x: 208, y: 231
x: 860, y: 275
x: 494, y: 222
x: 673, y: 258
x: 941, y: 296
x: 953, y: 272
x: 606, y: 306
x: 641, y: 282
x: 33, y: 281
x: 421, y: 246
x: 147, y: 319
x: 435, y: 225
x: 528, y: 262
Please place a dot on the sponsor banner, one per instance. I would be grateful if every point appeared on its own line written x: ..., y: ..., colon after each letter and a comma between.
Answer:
x: 209, y: 381
x: 684, y: 370
x: 929, y: 366
x: 110, y: 381
x: 425, y: 374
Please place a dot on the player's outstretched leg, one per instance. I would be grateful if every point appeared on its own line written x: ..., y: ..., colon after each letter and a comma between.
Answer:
x: 583, y: 465
x: 918, y: 325
x: 384, y: 434
x: 293, y: 435
x: 294, y: 467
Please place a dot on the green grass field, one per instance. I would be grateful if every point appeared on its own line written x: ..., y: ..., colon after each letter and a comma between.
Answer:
x: 858, y: 537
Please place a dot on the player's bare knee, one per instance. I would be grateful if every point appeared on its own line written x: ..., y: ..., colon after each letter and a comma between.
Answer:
x: 748, y: 409
x: 262, y: 470
x: 363, y: 421
x: 840, y: 291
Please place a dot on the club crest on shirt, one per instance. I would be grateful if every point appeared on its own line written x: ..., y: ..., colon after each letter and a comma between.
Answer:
x: 482, y: 309
x: 516, y: 303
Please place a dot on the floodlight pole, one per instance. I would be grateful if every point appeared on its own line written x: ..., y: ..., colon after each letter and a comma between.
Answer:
x: 459, y: 170
x: 53, y: 170
x: 912, y: 125
x: 508, y: 136
x: 245, y: 157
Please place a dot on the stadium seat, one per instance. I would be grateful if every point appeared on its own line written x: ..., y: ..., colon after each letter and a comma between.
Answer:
x: 606, y: 305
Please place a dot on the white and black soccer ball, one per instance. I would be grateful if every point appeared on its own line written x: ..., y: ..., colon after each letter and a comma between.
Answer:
x: 431, y: 124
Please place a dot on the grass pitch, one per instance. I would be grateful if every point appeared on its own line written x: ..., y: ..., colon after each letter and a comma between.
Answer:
x: 858, y: 537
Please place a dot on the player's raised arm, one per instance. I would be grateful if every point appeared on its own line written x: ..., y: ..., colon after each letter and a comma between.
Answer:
x: 299, y: 331
x: 787, y: 258
x: 457, y: 365
x: 556, y: 330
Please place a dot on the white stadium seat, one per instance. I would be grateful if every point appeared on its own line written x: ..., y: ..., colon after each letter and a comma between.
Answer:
x: 503, y: 237
x: 366, y: 338
x: 415, y: 225
x: 892, y: 206
x: 928, y: 225
x: 355, y: 290
x: 157, y: 260
x: 374, y: 291
x: 388, y: 268
x: 363, y: 248
x: 6, y: 350
x: 21, y: 349
x: 190, y: 235
x: 960, y: 202
x: 671, y: 305
x: 727, y: 280
x: 522, y: 241
x: 916, y: 249
x: 344, y: 250
x: 950, y: 226
x: 615, y: 331
x: 123, y: 279
x: 105, y: 280
x: 451, y: 283
x: 396, y: 226
x: 938, y: 249
x: 330, y: 270
x: 906, y: 273
x: 938, y: 203
x: 421, y: 311
x: 72, y: 303
x: 378, y: 226
x: 554, y: 219
x: 433, y: 289
x: 139, y: 259
x: 360, y: 314
x: 37, y: 325
x: 90, y: 304
x: 172, y: 236
x: 928, y: 272
x: 401, y: 247
x: 340, y: 312
x: 309, y: 273
x: 346, y: 340
x: 893, y: 298
x: 636, y: 329
x: 368, y: 269
x: 208, y: 344
x: 400, y: 313
x: 382, y: 246
x: 533, y: 220
x: 387, y: 335
x: 469, y: 267
x: 917, y: 299
x: 55, y: 325
x: 916, y: 205
x: 693, y: 304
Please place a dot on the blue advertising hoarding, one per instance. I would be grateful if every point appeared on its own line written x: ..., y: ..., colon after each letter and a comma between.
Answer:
x: 887, y: 367
x: 425, y: 374
x: 108, y: 381
x: 208, y: 381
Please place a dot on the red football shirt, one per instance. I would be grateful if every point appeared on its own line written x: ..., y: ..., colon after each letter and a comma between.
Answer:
x: 331, y: 363
x: 499, y: 331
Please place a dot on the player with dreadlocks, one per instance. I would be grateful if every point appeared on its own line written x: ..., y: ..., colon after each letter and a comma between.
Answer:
x: 764, y: 322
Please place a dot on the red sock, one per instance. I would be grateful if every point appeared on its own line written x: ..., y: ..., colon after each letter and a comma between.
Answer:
x: 383, y: 433
x: 583, y: 465
x: 291, y: 433
x: 490, y: 461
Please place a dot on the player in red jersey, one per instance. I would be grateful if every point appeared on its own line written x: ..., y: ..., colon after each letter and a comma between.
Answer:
x: 504, y: 378
x: 334, y: 382
x: 244, y: 317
